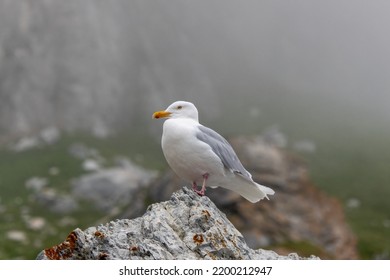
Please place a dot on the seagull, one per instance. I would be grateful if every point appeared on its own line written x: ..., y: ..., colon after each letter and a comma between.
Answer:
x: 200, y: 155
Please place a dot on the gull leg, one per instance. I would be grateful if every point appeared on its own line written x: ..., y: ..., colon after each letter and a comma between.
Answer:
x: 195, y: 187
x: 203, y: 190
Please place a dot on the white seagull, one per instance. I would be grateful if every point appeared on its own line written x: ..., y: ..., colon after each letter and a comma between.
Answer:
x: 200, y: 155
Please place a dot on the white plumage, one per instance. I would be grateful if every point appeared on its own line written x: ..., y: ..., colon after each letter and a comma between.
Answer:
x: 200, y: 155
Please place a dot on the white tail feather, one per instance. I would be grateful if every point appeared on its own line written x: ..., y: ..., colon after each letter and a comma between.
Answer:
x: 248, y: 189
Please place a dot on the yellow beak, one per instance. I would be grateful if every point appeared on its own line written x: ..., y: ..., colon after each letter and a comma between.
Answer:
x: 161, y: 114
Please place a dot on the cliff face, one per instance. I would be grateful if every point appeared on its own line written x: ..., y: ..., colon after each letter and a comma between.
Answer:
x: 185, y: 227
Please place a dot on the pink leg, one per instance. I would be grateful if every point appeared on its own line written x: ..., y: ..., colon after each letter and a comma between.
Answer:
x: 203, y: 190
x: 195, y: 187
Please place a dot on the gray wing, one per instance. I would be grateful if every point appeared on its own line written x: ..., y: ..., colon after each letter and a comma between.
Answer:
x: 223, y: 150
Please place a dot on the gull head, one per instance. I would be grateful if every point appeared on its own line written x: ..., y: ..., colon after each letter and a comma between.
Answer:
x: 178, y: 109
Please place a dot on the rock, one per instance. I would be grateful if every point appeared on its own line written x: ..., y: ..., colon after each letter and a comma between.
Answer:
x: 82, y: 152
x: 91, y: 165
x: 112, y: 187
x: 100, y: 129
x: 49, y: 197
x: 36, y: 183
x: 353, y: 203
x: 54, y: 171
x: 17, y: 235
x: 274, y: 136
x: 46, y: 136
x: 36, y: 223
x: 50, y: 135
x: 55, y: 202
x: 185, y: 227
x: 25, y: 143
x: 298, y: 214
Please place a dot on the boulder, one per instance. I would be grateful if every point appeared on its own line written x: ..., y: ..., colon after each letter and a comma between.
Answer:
x: 186, y: 226
x: 110, y: 188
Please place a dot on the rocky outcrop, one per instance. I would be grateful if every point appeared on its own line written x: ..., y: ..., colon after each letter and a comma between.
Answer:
x: 298, y: 216
x: 185, y: 227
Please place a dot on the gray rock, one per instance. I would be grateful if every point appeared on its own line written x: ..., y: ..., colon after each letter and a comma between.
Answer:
x: 112, y: 187
x: 46, y: 136
x: 50, y: 134
x: 36, y: 183
x: 54, y: 201
x: 82, y: 152
x: 25, y: 143
x: 185, y: 227
x: 274, y: 136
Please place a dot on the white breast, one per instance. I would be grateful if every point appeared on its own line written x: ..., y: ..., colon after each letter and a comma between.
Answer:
x: 189, y: 157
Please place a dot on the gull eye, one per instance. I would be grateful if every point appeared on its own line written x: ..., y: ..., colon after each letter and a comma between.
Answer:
x: 179, y: 107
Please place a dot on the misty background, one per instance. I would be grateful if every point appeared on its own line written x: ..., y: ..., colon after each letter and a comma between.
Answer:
x: 77, y: 64
x: 318, y: 70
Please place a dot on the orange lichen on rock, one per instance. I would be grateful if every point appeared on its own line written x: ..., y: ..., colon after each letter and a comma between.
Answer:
x: 198, y: 239
x: 64, y: 250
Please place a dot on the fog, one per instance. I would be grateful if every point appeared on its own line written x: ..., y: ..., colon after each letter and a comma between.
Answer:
x: 77, y: 64
x: 312, y: 77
